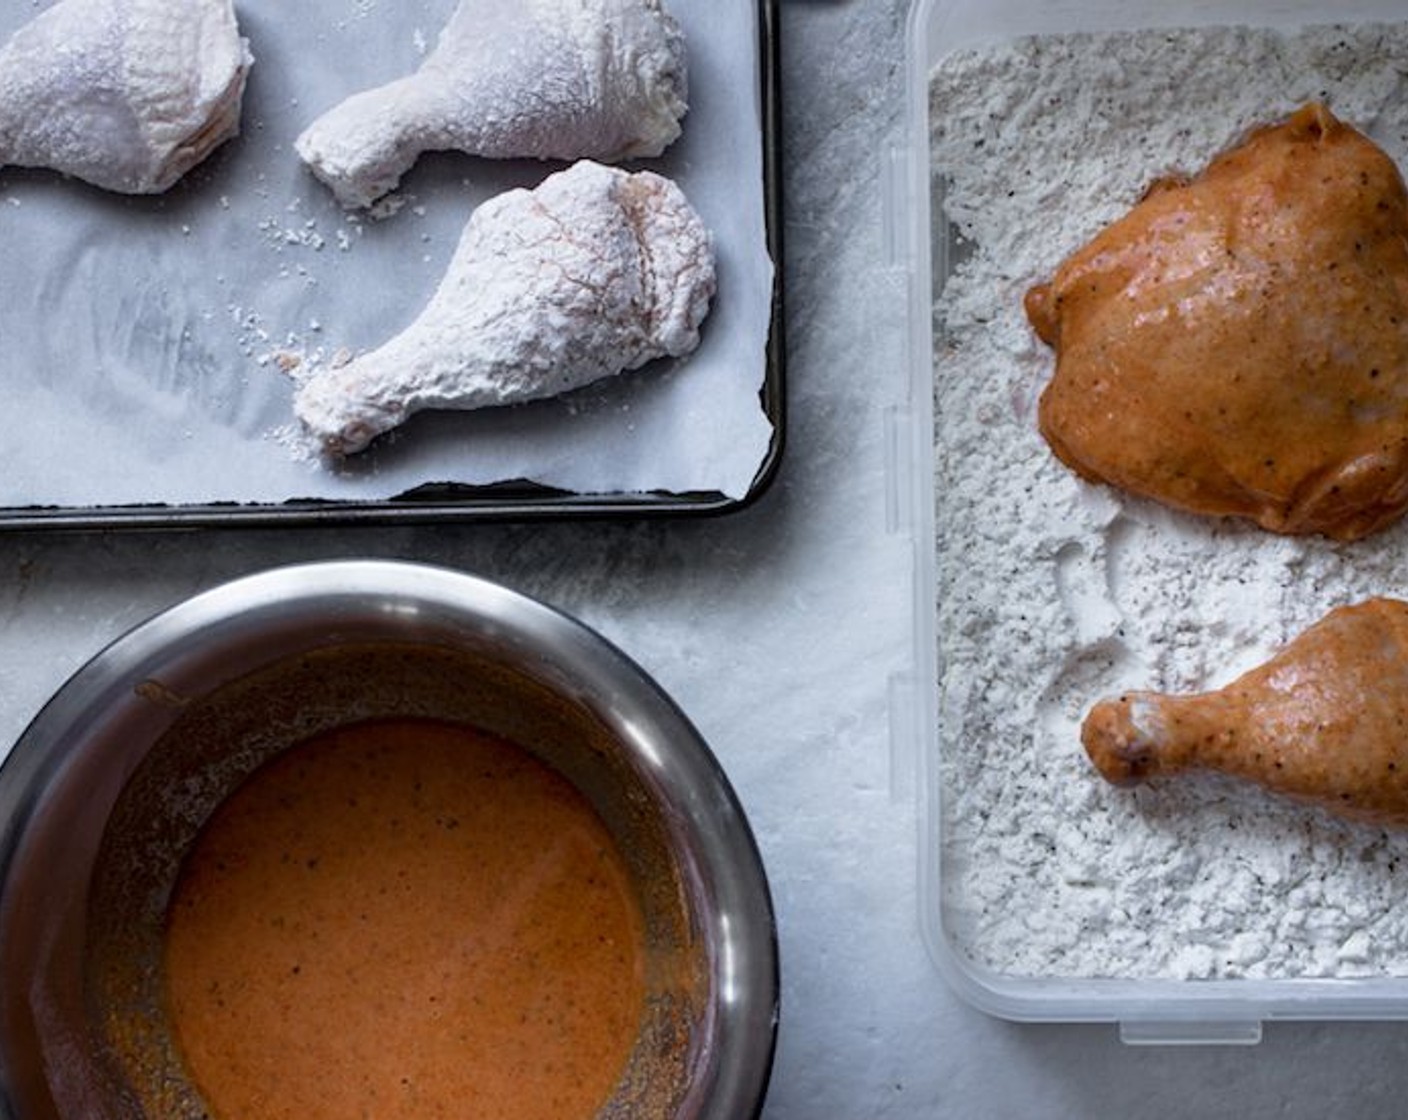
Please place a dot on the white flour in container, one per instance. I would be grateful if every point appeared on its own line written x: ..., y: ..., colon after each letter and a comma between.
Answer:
x: 1055, y: 592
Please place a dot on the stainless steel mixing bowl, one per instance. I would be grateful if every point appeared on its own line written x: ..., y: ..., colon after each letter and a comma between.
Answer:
x: 104, y: 792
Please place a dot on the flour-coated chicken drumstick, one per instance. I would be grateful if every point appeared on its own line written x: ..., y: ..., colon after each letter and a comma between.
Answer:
x: 594, y: 272
x: 1324, y: 721
x: 513, y: 79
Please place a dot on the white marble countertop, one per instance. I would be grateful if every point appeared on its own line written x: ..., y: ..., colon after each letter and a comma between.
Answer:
x: 778, y: 630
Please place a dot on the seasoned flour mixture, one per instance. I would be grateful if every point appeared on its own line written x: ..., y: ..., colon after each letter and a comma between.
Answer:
x: 1054, y: 592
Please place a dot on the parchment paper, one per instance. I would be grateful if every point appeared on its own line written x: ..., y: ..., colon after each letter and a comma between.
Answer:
x: 145, y: 340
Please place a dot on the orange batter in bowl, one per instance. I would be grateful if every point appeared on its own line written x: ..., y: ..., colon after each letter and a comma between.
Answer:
x: 404, y: 919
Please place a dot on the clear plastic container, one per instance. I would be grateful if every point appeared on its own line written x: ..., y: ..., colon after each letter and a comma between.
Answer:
x: 1155, y: 1010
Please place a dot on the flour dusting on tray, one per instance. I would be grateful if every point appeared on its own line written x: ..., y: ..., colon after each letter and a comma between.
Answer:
x: 1054, y: 593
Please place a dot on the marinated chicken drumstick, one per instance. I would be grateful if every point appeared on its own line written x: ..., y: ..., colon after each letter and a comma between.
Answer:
x: 1324, y: 721
x: 1238, y: 343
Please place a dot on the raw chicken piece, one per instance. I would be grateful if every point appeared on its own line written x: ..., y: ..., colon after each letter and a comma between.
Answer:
x: 1325, y: 720
x: 126, y: 94
x: 1238, y: 343
x: 594, y: 272
x: 541, y: 79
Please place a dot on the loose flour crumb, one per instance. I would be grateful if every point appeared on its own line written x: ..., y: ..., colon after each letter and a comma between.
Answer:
x: 278, y: 236
x: 388, y: 206
x: 1054, y: 593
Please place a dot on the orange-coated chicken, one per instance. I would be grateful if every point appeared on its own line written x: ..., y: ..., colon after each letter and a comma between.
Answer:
x: 1325, y: 720
x: 1237, y: 344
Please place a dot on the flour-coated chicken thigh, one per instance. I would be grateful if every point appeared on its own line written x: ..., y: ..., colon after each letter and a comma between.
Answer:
x: 128, y: 95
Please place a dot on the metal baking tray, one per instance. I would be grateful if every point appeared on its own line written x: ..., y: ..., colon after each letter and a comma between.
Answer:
x: 508, y: 499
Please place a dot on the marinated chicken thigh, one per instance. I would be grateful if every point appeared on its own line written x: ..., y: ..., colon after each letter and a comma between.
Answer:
x: 128, y: 95
x: 1238, y: 343
x: 1324, y: 721
x: 539, y: 79
x: 594, y: 272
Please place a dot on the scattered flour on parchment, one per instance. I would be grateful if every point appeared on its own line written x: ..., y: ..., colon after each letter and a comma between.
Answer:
x: 1054, y: 593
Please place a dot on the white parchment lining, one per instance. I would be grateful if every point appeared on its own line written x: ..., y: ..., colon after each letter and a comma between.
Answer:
x: 145, y: 339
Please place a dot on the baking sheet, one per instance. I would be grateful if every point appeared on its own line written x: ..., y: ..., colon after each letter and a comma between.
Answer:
x: 147, y: 339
